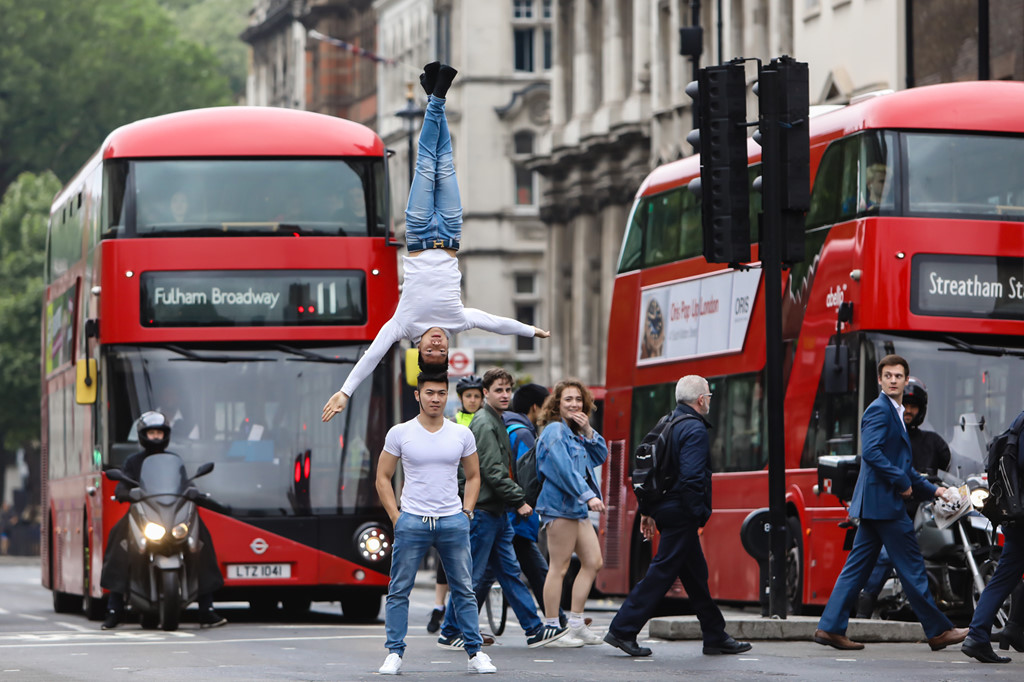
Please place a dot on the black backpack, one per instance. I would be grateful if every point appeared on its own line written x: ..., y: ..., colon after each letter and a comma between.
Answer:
x: 527, y: 477
x: 1005, y: 504
x: 652, y: 470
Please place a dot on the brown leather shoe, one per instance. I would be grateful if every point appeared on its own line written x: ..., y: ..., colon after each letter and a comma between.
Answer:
x: 487, y: 639
x: 837, y: 641
x: 951, y: 636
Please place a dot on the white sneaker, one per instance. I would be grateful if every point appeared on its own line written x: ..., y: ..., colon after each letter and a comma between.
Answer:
x: 569, y: 641
x: 392, y: 664
x: 481, y: 663
x: 585, y: 634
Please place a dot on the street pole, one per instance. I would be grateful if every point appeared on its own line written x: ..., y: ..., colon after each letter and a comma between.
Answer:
x: 409, y: 114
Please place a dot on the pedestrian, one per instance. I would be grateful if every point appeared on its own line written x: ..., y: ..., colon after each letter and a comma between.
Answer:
x: 568, y: 449
x: 1006, y: 578
x: 471, y: 396
x: 886, y: 480
x: 430, y: 309
x: 491, y: 533
x: 930, y: 455
x: 431, y: 448
x: 678, y: 516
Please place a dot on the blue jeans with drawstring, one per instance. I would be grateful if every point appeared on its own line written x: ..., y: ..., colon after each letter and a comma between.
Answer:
x: 433, y: 216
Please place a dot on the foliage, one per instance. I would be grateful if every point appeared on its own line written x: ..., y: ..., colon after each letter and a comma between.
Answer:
x: 73, y: 70
x: 24, y: 212
x: 217, y: 24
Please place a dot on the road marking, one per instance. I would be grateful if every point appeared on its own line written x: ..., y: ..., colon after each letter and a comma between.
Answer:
x: 748, y: 659
x: 80, y: 654
x: 847, y: 660
x: 63, y: 639
x: 284, y: 648
x: 4, y: 612
x: 31, y: 617
x: 74, y: 626
x: 440, y: 662
x: 543, y: 660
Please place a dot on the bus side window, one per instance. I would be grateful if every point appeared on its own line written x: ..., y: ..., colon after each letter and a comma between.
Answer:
x: 835, y: 195
x: 632, y: 247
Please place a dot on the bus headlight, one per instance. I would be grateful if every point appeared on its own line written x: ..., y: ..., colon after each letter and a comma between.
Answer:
x: 154, y: 531
x: 978, y: 497
x: 180, y: 531
x: 372, y: 543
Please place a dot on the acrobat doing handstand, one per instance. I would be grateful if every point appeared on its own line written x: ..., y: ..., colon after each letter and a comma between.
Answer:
x: 430, y: 309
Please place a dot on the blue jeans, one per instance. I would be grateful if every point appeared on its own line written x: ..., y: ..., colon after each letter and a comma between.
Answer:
x: 414, y: 536
x: 898, y: 538
x: 534, y: 567
x: 433, y: 216
x: 490, y: 537
x: 1004, y: 580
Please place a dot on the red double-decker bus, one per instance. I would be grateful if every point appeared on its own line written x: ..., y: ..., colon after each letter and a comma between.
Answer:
x: 226, y: 267
x: 914, y: 234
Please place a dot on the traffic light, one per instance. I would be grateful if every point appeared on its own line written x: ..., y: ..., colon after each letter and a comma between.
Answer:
x: 720, y: 97
x: 782, y: 92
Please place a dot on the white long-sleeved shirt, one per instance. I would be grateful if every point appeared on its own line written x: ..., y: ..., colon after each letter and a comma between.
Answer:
x: 431, y: 297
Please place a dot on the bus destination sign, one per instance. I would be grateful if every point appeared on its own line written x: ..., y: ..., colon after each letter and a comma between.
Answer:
x: 253, y: 298
x: 967, y: 286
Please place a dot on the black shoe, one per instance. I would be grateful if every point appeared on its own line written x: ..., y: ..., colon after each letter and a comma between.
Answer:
x: 435, y: 620
x: 112, y: 620
x: 545, y: 635
x: 629, y: 646
x: 1011, y: 635
x: 211, y: 619
x: 729, y: 646
x: 445, y: 76
x: 428, y: 79
x: 982, y: 651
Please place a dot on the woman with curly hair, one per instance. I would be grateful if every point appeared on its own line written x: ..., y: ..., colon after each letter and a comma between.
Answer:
x: 568, y: 449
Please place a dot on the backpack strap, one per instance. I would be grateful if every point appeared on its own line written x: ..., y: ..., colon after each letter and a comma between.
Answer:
x: 514, y: 426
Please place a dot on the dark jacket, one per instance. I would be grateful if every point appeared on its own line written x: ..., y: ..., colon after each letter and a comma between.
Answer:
x: 886, y: 468
x: 689, y: 499
x: 522, y: 435
x: 930, y: 452
x: 498, y: 488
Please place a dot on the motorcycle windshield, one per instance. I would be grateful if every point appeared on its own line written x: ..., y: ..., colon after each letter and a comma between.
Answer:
x: 255, y: 413
x: 163, y: 474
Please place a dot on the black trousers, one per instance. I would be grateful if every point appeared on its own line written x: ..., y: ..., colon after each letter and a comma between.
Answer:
x: 679, y: 556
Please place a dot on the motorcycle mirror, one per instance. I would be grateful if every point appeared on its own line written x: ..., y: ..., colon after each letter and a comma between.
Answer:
x: 204, y: 469
x: 118, y: 475
x: 135, y: 494
x: 192, y: 494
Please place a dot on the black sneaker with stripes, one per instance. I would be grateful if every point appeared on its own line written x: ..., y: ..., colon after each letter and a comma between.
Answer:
x: 547, y: 633
x: 451, y: 643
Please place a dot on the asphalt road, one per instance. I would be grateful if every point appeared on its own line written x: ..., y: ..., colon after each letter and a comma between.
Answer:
x: 37, y: 644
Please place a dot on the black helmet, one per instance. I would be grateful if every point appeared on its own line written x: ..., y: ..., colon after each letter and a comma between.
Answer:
x: 465, y: 383
x: 153, y: 420
x: 915, y: 394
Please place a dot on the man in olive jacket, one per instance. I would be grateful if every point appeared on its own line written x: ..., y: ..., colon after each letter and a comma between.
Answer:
x: 490, y: 532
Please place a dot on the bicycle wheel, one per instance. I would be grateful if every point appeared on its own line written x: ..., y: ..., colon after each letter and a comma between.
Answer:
x: 497, y: 610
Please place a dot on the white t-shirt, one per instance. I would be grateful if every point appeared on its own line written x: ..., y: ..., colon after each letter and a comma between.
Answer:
x: 431, y: 297
x: 431, y: 465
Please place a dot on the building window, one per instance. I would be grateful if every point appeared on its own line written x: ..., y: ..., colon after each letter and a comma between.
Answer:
x: 532, y: 36
x: 443, y: 33
x: 526, y: 179
x: 526, y: 283
x: 527, y: 314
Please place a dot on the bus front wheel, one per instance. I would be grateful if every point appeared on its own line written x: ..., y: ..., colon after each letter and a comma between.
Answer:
x: 361, y: 606
x: 794, y: 565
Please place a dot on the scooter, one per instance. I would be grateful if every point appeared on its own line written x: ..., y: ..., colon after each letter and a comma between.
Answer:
x: 163, y: 539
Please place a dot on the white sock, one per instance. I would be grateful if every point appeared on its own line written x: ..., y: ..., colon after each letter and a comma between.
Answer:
x: 575, y: 620
x: 439, y: 607
x: 553, y: 622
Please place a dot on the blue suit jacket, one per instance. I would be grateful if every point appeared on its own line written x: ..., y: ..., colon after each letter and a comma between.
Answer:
x: 886, y: 467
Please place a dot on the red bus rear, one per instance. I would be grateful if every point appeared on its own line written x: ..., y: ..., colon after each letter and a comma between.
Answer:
x: 226, y: 267
x: 931, y: 257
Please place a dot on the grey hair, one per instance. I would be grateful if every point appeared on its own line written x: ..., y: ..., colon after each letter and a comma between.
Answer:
x: 690, y: 388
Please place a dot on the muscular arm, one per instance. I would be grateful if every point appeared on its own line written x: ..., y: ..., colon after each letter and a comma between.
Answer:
x: 471, y: 470
x: 386, y: 466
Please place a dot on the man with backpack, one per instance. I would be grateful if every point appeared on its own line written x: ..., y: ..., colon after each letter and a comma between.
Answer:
x: 1004, y: 469
x: 679, y: 510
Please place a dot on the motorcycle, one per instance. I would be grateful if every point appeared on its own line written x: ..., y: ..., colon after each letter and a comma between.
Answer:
x: 163, y: 539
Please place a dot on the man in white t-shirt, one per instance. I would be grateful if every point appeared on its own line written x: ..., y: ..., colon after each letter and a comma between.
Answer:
x: 430, y: 448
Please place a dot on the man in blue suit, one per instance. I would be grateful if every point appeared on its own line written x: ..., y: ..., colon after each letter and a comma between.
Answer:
x: 886, y: 478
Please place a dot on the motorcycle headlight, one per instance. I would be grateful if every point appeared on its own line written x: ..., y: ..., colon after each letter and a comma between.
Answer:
x: 180, y: 531
x: 154, y: 531
x: 978, y: 497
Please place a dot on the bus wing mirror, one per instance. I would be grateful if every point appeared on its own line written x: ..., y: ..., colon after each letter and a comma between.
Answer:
x: 837, y: 369
x: 85, y: 384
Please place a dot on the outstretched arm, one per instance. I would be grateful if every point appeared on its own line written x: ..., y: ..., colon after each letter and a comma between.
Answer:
x: 389, y: 334
x: 501, y: 325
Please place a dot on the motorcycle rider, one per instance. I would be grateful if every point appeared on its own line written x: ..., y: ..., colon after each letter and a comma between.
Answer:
x: 930, y: 455
x: 154, y: 432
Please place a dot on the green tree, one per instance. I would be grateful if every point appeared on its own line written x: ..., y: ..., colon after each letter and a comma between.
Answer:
x: 73, y: 70
x: 24, y: 212
x: 216, y: 24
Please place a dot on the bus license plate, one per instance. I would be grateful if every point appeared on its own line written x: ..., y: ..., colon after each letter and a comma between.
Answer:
x: 257, y: 571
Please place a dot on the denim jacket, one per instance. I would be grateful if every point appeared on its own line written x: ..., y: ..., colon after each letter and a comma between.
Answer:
x: 565, y: 464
